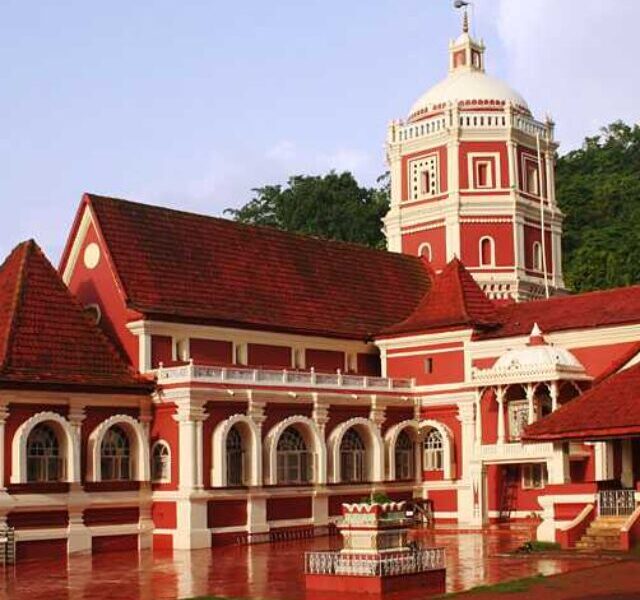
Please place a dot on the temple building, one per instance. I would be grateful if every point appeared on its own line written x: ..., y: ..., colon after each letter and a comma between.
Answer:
x: 188, y: 381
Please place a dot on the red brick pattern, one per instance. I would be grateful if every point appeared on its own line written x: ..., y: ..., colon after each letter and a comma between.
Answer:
x: 45, y: 337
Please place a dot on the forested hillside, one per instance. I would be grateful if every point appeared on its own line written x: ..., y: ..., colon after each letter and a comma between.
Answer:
x: 598, y: 189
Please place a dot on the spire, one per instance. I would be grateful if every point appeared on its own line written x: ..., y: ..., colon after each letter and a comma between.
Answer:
x: 465, y: 22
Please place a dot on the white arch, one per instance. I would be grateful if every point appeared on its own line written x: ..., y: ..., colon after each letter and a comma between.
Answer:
x: 373, y: 441
x: 391, y: 439
x: 492, y: 248
x: 448, y: 462
x: 161, y: 442
x: 537, y: 256
x: 312, y: 437
x: 250, y: 436
x: 69, y: 445
x: 137, y: 438
x: 424, y: 249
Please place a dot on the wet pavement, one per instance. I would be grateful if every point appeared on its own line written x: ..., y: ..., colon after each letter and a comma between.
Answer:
x: 264, y: 571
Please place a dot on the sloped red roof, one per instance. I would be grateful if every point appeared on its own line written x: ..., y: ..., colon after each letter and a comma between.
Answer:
x: 611, y: 408
x: 580, y: 311
x: 455, y: 300
x: 176, y: 265
x: 45, y: 336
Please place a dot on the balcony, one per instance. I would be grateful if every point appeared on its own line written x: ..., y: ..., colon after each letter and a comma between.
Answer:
x: 191, y: 373
x: 516, y: 452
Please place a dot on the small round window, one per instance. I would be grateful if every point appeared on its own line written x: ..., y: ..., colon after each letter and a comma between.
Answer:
x: 91, y: 255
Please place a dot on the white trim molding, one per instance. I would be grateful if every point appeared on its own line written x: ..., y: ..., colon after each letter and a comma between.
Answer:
x: 137, y: 438
x: 448, y: 457
x: 373, y: 443
x: 250, y: 434
x: 67, y: 438
x: 391, y: 439
x: 313, y: 439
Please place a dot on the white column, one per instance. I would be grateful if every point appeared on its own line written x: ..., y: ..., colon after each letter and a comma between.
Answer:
x: 500, y: 401
x: 558, y: 467
x: 465, y: 416
x: 553, y: 392
x: 530, y: 397
x: 191, y: 531
x: 78, y: 534
x: 478, y: 423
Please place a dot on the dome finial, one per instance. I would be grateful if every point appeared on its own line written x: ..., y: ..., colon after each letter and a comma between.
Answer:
x: 465, y: 17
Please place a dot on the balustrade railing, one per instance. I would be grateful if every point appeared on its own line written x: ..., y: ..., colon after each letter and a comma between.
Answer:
x: 337, y: 563
x: 616, y: 503
x: 240, y: 375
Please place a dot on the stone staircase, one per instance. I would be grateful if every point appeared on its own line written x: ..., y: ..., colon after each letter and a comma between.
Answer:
x: 603, y: 534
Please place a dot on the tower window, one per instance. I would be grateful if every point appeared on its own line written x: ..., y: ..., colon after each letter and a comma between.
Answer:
x: 487, y: 252
x: 423, y: 174
x: 428, y: 366
x: 483, y: 174
x: 537, y: 256
x: 532, y: 178
x: 425, y: 251
x: 425, y: 184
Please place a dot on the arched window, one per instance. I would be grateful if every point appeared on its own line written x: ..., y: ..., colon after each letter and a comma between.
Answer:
x: 425, y: 251
x: 352, y: 457
x: 295, y: 462
x: 44, y: 460
x: 537, y: 256
x: 235, y: 458
x: 161, y: 462
x: 404, y: 456
x: 433, y: 451
x: 487, y: 252
x: 115, y: 455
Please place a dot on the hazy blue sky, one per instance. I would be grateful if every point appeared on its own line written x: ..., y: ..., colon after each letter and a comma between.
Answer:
x: 192, y: 104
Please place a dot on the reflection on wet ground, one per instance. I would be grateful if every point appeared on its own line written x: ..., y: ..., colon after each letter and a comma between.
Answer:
x: 265, y: 571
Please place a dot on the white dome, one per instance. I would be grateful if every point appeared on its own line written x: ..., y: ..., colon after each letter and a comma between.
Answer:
x: 538, y: 357
x: 468, y: 85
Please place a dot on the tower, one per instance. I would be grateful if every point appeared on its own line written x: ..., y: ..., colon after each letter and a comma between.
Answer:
x: 472, y: 176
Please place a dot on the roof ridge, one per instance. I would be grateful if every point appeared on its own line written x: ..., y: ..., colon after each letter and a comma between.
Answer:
x: 239, y: 224
x: 26, y: 247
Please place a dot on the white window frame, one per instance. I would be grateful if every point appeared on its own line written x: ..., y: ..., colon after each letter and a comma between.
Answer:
x: 166, y: 478
x: 537, y: 258
x: 492, y: 244
x: 530, y: 481
x: 493, y: 159
x: 426, y: 246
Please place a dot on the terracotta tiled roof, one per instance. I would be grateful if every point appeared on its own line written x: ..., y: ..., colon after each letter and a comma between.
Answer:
x: 182, y: 266
x: 45, y: 336
x: 580, y: 311
x: 455, y: 300
x: 611, y: 408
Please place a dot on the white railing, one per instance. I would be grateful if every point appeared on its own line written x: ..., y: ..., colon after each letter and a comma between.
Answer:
x: 336, y: 563
x: 530, y: 126
x: 240, y: 375
x: 616, y: 503
x: 516, y: 451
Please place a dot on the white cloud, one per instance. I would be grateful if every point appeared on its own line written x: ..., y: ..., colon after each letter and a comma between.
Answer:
x: 575, y: 59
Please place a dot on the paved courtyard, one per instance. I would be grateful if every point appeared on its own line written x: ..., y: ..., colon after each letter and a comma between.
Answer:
x: 270, y: 572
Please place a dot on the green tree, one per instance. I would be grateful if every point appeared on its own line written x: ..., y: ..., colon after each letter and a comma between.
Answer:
x: 598, y: 189
x: 332, y: 206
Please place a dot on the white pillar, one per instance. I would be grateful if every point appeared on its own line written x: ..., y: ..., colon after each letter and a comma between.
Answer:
x: 257, y: 525
x: 530, y: 397
x: 465, y: 416
x: 558, y: 467
x: 553, y: 392
x: 478, y: 422
x: 192, y: 531
x: 500, y: 400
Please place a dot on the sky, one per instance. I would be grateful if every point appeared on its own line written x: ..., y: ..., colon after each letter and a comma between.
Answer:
x: 192, y: 104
